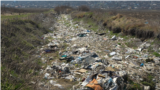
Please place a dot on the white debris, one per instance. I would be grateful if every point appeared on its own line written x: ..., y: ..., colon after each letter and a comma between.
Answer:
x: 112, y: 53
x: 46, y: 75
x: 117, y: 58
x: 114, y: 38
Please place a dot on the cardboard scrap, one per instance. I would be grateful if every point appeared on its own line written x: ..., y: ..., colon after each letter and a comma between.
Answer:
x: 109, y: 69
x: 82, y: 70
x: 100, y: 75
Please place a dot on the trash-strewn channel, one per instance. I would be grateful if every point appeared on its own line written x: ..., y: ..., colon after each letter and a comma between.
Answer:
x: 80, y: 59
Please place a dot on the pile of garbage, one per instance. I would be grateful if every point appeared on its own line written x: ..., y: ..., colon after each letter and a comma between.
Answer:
x: 92, y: 69
x: 95, y: 61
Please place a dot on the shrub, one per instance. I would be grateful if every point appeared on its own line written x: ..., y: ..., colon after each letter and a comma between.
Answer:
x: 63, y: 9
x: 83, y: 8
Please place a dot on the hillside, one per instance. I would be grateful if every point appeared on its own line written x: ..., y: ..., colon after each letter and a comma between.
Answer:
x: 20, y: 36
x: 142, y: 26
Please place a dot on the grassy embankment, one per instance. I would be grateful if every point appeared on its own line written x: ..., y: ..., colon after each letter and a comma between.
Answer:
x: 20, y: 35
x: 122, y: 26
x: 118, y: 23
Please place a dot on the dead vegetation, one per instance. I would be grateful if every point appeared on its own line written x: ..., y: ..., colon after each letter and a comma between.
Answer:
x: 118, y: 21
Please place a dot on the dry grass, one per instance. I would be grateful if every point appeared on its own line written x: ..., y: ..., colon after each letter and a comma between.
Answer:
x: 118, y: 22
x: 80, y: 15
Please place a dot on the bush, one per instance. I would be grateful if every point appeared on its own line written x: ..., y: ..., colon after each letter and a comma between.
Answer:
x: 83, y: 8
x: 63, y: 9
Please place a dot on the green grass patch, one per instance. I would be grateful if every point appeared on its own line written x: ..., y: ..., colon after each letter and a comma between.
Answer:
x: 148, y: 81
x: 135, y: 86
x: 14, y: 73
x: 119, y: 43
x: 14, y: 16
x: 111, y: 33
x: 76, y: 19
x: 89, y: 13
x: 156, y: 54
x: 52, y: 10
x: 91, y: 23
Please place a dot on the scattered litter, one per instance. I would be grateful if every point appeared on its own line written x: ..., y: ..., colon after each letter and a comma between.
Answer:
x: 58, y: 85
x: 106, y: 56
x: 82, y: 35
x: 146, y: 87
x: 109, y: 69
x: 32, y: 82
x: 46, y: 75
x: 112, y: 53
x: 117, y: 58
x: 114, y: 38
x: 52, y: 82
x: 82, y: 70
x: 70, y: 77
x: 88, y: 31
x: 141, y: 64
x: 94, y: 60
